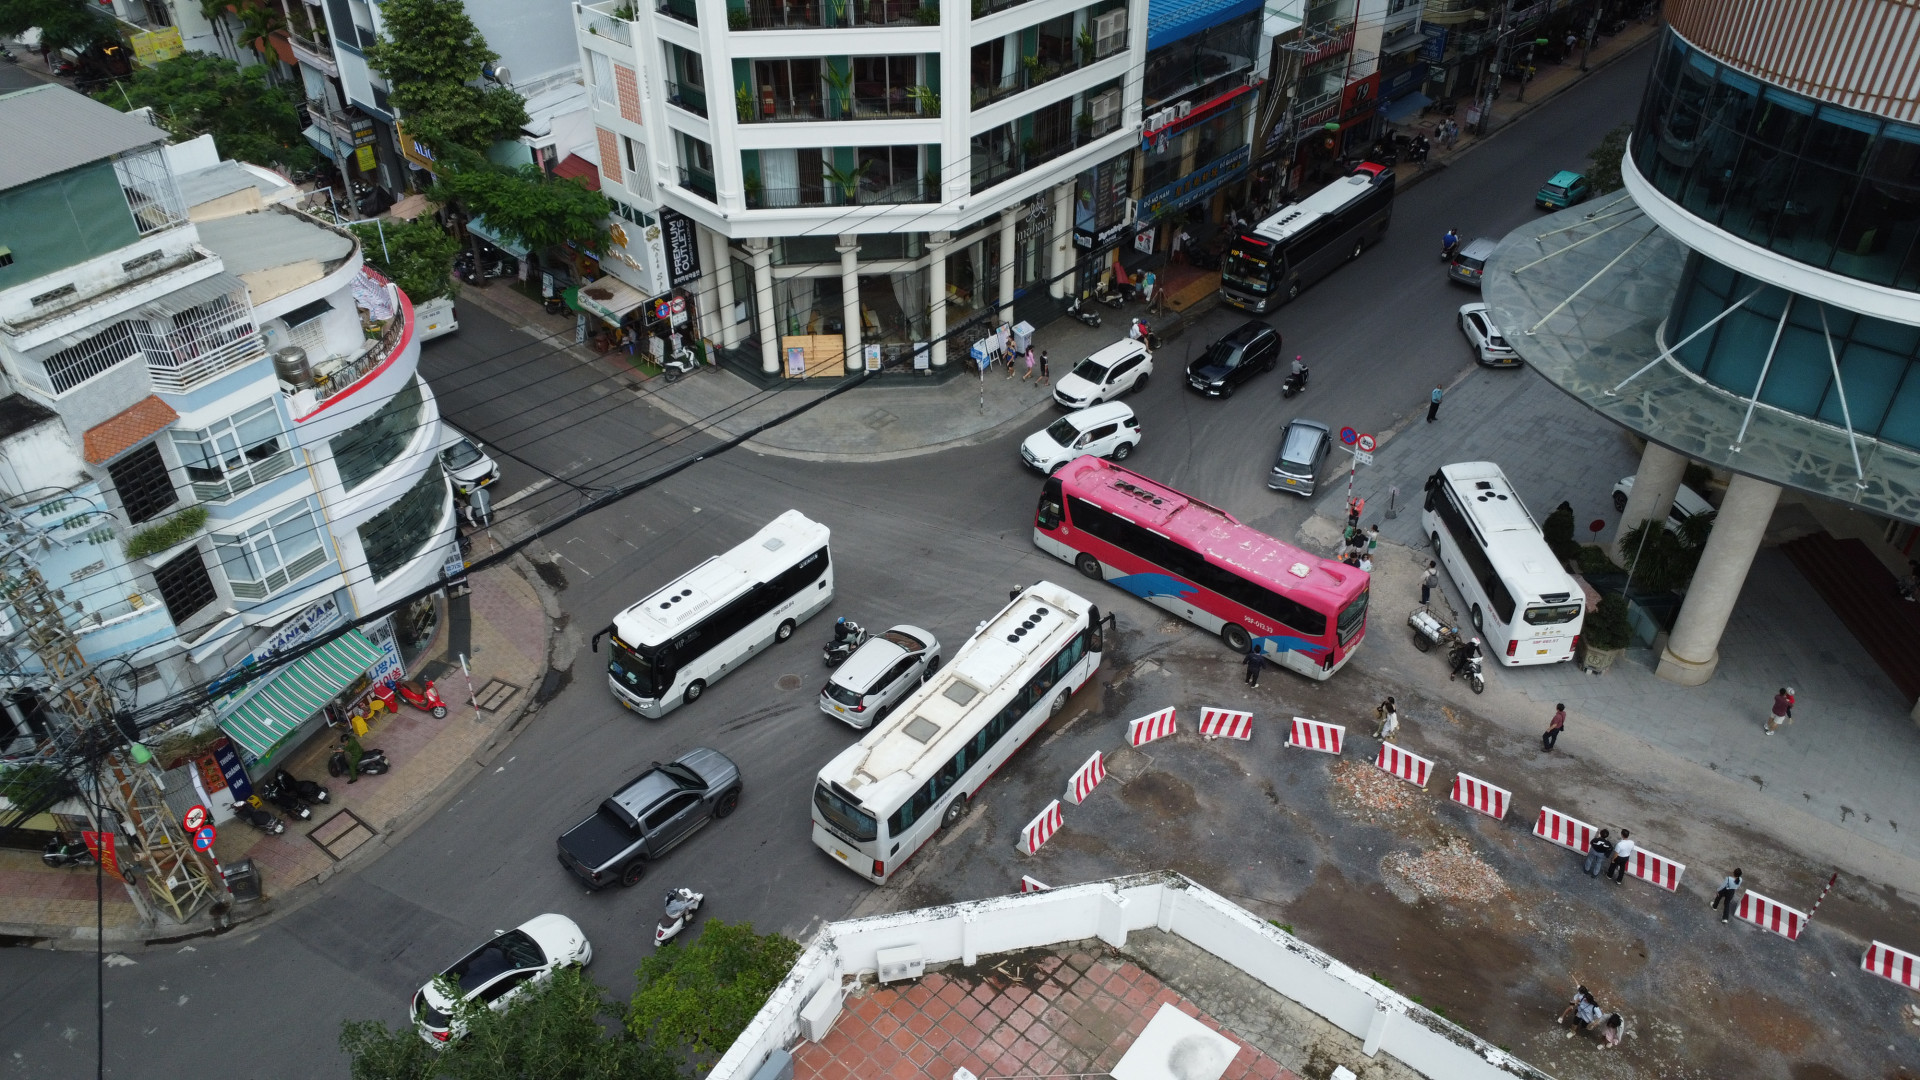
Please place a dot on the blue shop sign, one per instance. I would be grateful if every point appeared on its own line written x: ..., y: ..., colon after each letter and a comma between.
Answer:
x: 1435, y: 48
x: 1201, y: 182
x: 227, y: 756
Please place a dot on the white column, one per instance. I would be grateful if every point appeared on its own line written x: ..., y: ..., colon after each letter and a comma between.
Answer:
x: 762, y: 254
x: 1693, y: 650
x: 710, y: 317
x: 849, y: 249
x: 723, y: 280
x: 937, y: 295
x: 1654, y: 485
x: 1008, y: 253
x: 1060, y: 267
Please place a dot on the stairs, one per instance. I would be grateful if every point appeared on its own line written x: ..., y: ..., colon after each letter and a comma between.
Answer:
x: 1858, y: 588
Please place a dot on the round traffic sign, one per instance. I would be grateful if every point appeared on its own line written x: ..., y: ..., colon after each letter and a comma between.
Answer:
x: 195, y: 817
x: 203, y: 837
x: 1348, y: 435
x: 1365, y: 442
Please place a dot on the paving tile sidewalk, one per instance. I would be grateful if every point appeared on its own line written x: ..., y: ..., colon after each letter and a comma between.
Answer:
x: 508, y: 658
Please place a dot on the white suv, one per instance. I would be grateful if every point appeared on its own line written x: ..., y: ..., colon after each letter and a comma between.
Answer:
x: 1120, y: 368
x: 1107, y: 429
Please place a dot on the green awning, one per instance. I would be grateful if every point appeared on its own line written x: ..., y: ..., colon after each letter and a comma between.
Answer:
x: 299, y: 691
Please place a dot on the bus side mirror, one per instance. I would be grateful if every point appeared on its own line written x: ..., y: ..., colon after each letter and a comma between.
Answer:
x: 601, y: 634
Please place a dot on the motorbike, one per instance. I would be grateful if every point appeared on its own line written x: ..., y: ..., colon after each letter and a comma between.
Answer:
x: 554, y: 305
x: 847, y: 636
x: 259, y: 819
x: 1112, y: 296
x: 1429, y: 631
x: 306, y: 789
x: 1296, y: 383
x: 681, y: 904
x: 421, y: 695
x: 285, y: 798
x: 465, y: 269
x: 678, y: 364
x: 63, y: 852
x: 1447, y: 249
x: 1085, y: 314
x: 1469, y: 667
x: 372, y: 763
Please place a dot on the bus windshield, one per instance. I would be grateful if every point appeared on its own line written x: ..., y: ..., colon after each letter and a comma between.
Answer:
x: 1245, y: 271
x: 631, y: 668
x: 846, y: 818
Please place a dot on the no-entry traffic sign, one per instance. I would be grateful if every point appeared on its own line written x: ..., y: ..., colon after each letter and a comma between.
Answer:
x: 203, y: 837
x: 1365, y: 442
x: 195, y: 817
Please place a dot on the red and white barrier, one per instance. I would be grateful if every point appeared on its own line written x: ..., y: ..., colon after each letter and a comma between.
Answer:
x: 1890, y: 963
x: 1476, y: 794
x: 1028, y: 884
x: 1148, y: 728
x: 1771, y: 915
x: 1086, y: 778
x: 1041, y: 829
x: 1404, y: 764
x: 1656, y: 869
x: 1569, y: 832
x: 1316, y: 735
x: 1225, y: 724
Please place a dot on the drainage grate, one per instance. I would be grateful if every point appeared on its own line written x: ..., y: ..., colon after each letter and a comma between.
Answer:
x: 495, y: 694
x: 341, y: 834
x: 788, y: 682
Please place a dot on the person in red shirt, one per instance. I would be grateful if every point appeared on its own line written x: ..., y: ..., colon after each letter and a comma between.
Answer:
x: 1782, y: 710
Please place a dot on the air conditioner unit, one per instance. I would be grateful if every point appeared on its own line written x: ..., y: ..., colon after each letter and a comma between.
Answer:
x: 1105, y: 107
x: 905, y: 962
x: 1110, y: 33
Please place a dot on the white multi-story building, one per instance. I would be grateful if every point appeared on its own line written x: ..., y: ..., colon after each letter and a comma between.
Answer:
x: 209, y: 407
x: 878, y: 171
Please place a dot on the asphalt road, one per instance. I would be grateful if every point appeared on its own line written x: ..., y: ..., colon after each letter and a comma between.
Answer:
x: 934, y: 540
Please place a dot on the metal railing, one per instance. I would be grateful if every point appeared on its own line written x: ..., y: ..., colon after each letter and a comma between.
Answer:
x: 173, y: 373
x: 688, y: 96
x: 683, y: 10
x: 830, y: 14
x: 336, y: 380
x: 829, y: 194
x: 602, y: 24
x: 787, y: 109
x: 700, y: 183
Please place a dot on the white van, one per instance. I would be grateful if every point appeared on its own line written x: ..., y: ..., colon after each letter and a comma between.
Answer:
x: 435, y: 318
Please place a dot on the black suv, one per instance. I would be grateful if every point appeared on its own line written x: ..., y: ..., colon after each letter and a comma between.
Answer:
x: 646, y: 818
x: 1234, y: 359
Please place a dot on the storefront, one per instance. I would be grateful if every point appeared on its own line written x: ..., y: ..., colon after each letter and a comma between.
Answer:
x: 1104, y: 217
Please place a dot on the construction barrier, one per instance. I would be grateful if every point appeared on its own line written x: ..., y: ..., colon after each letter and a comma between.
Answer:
x: 1086, y: 778
x: 1656, y: 869
x: 1477, y: 794
x: 1771, y: 915
x: 1890, y: 963
x: 1148, y: 728
x: 1569, y: 832
x: 1225, y: 724
x: 1041, y: 829
x: 1028, y: 884
x: 1316, y: 735
x: 1404, y: 764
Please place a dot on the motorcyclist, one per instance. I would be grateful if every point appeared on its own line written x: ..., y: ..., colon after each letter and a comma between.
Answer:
x: 1463, y: 654
x: 1297, y: 368
x: 1449, y: 242
x: 844, y: 630
x: 1138, y: 330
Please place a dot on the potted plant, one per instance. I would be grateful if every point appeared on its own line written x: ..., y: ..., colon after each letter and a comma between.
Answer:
x: 838, y: 83
x: 925, y: 97
x: 1606, y: 634
x: 927, y: 15
x: 738, y: 19
x: 625, y: 12
x: 1031, y: 65
x: 752, y: 185
x: 1085, y: 41
x: 847, y: 180
x: 1086, y: 125
x: 743, y: 103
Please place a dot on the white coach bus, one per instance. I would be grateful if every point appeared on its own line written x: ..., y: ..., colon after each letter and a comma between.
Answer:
x: 1525, y: 605
x: 880, y: 799
x: 668, y: 648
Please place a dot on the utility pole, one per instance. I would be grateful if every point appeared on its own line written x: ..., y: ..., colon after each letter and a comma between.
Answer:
x: 1593, y: 28
x: 1498, y: 65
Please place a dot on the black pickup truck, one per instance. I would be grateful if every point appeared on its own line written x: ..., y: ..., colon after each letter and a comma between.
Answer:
x: 647, y: 817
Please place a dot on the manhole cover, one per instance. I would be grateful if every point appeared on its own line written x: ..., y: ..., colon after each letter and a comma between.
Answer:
x: 340, y: 834
x: 788, y: 682
x: 496, y: 693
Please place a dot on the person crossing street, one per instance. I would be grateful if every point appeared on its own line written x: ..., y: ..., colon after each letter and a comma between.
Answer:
x: 1255, y: 662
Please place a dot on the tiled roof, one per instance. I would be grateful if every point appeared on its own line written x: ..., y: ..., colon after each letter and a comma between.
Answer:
x: 575, y: 167
x: 109, y: 440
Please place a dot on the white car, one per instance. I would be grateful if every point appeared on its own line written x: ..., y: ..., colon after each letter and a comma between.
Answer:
x: 499, y: 971
x: 435, y: 318
x: 467, y: 463
x: 1686, y: 502
x: 1108, y: 429
x: 867, y: 685
x: 1120, y: 368
x: 1489, y: 344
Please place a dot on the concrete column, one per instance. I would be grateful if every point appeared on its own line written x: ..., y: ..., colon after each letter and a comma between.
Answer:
x: 710, y: 318
x: 1061, y: 266
x: 1654, y: 485
x: 762, y: 253
x: 1693, y: 650
x: 937, y: 295
x: 849, y: 249
x: 723, y: 278
x: 1009, y: 252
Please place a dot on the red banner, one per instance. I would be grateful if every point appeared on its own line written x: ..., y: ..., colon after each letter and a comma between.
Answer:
x: 101, y: 847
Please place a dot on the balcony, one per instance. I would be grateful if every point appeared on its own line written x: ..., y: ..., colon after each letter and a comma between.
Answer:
x: 829, y: 14
x: 187, y: 365
x: 316, y: 52
x: 609, y: 20
x: 367, y: 376
x: 991, y: 169
x: 983, y: 8
x: 688, y: 96
x: 918, y: 190
x: 914, y: 103
x: 1033, y: 72
x: 1452, y: 12
x: 683, y: 10
x: 700, y: 183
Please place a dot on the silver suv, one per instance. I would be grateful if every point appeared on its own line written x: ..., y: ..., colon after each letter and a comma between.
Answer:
x: 872, y: 681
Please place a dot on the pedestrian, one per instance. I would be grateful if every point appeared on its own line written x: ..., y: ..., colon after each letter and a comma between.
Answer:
x: 1729, y: 892
x: 1453, y: 133
x: 1389, y: 718
x: 1373, y: 539
x: 1597, y: 851
x: 354, y: 753
x: 1554, y: 727
x: 1583, y: 1002
x: 1611, y: 1031
x: 1427, y: 578
x: 1782, y: 710
x: 1622, y: 852
x: 1365, y: 563
x: 1043, y: 367
x: 1029, y: 372
x: 1255, y: 661
x: 1433, y: 403
x: 1353, y: 515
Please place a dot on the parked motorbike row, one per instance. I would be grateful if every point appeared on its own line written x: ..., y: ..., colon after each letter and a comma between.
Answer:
x: 489, y: 266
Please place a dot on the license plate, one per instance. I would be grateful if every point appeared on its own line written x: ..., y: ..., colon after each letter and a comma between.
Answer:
x: 1541, y: 652
x: 1291, y: 481
x: 842, y: 854
x: 839, y: 710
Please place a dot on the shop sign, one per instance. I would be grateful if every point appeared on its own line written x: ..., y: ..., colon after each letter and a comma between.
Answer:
x: 1143, y: 241
x: 100, y: 846
x: 683, y: 253
x: 152, y: 46
x: 1104, y: 238
x: 316, y: 620
x: 364, y: 156
x: 1161, y: 126
x: 1195, y: 185
x: 656, y: 261
x: 383, y: 637
x: 234, y: 773
x: 1359, y: 97
x: 1437, y: 73
x: 1435, y: 47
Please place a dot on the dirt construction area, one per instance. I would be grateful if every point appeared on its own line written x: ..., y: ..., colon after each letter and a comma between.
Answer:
x: 1475, y: 918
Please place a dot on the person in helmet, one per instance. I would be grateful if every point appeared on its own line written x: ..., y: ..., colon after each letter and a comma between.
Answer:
x: 1449, y: 242
x: 842, y: 629
x: 1464, y: 653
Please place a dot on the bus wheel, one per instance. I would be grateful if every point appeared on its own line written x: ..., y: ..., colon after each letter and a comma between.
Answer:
x: 1087, y: 565
x: 956, y: 810
x: 631, y: 875
x: 784, y: 631
x: 694, y: 690
x: 1059, y: 703
x: 1236, y: 637
x: 1435, y: 537
x: 1476, y: 618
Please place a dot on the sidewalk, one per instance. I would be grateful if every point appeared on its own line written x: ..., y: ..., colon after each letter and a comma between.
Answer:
x: 506, y: 649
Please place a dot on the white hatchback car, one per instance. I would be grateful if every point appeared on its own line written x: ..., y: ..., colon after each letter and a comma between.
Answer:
x: 1489, y: 344
x: 1108, y: 429
x: 1120, y: 368
x: 496, y: 973
x: 867, y: 685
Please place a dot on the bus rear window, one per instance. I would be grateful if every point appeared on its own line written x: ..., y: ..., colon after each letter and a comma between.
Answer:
x: 1552, y: 614
x: 846, y: 819
x: 1353, y: 616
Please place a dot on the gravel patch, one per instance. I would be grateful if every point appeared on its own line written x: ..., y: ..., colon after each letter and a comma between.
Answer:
x: 1450, y: 872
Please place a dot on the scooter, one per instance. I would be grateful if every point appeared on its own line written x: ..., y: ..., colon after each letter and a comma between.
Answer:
x: 259, y: 819
x: 1447, y: 250
x: 554, y: 305
x: 372, y: 763
x: 1296, y: 383
x: 420, y: 695
x: 63, y: 852
x: 678, y: 364
x: 285, y: 798
x: 1112, y: 297
x: 1470, y: 669
x: 847, y: 636
x: 1085, y: 314
x: 681, y: 904
x: 306, y: 789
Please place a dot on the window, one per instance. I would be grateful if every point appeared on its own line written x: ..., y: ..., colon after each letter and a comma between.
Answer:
x: 668, y: 810
x: 141, y: 480
x: 789, y: 89
x: 600, y: 71
x: 235, y: 454
x: 371, y: 445
x: 844, y: 816
x: 272, y: 555
x: 397, y: 534
x: 881, y: 85
x: 505, y: 986
x: 70, y: 367
x: 749, y: 606
x: 889, y: 173
x: 185, y: 586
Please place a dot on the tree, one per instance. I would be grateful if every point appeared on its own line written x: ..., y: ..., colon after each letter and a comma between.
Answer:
x: 432, y: 56
x: 522, y: 204
x: 196, y: 93
x: 1662, y: 559
x: 696, y: 999
x: 1603, y: 170
x: 416, y: 255
x: 63, y: 24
